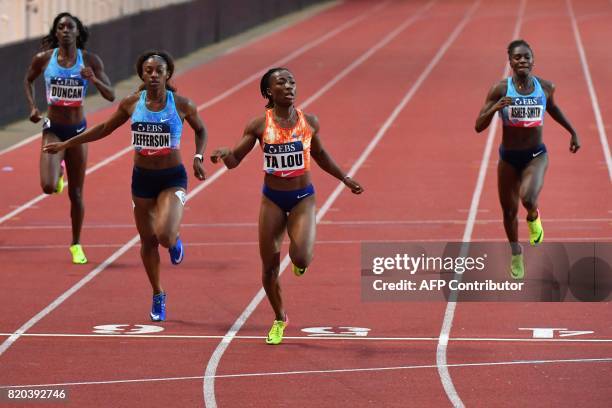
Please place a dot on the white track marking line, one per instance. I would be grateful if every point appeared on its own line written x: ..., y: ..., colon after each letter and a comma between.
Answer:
x: 216, y: 99
x: 323, y: 222
x: 603, y: 138
x: 310, y: 338
x: 211, y: 367
x: 229, y: 51
x: 19, y: 332
x: 449, y: 313
x: 330, y: 371
x: 319, y: 242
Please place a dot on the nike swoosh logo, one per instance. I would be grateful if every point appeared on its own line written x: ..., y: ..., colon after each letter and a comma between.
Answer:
x: 74, y: 75
x: 538, y: 153
x: 154, y: 316
x: 151, y: 152
x: 302, y: 196
x: 81, y: 129
x: 286, y: 174
x: 164, y: 120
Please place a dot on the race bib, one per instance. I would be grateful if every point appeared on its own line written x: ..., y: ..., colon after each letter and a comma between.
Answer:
x: 151, y: 138
x: 526, y: 112
x: 284, y: 160
x: 66, y: 91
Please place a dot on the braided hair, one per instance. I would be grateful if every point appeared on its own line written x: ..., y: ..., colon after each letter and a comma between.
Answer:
x: 51, y: 41
x: 164, y: 56
x: 264, y: 85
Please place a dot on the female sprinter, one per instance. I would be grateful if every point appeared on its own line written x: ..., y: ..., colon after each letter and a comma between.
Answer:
x: 67, y: 69
x: 288, y: 138
x: 159, y: 180
x: 521, y: 100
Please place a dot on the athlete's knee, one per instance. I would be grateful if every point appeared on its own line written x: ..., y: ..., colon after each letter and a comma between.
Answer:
x: 270, y: 273
x: 47, y: 188
x: 148, y: 242
x: 510, y: 214
x: 166, y: 239
x: 75, y: 194
x: 530, y: 201
x: 301, y: 260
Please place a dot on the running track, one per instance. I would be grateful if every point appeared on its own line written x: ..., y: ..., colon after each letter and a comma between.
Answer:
x: 396, y: 86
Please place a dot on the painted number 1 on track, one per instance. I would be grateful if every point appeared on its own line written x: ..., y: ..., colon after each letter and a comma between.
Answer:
x: 341, y: 331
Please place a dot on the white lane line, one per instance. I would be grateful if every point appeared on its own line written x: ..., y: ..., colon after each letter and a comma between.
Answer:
x: 311, y: 372
x: 211, y: 368
x: 449, y: 313
x: 19, y: 332
x: 603, y: 138
x: 549, y: 239
x: 310, y: 338
x: 53, y: 305
x: 218, y: 98
x: 323, y: 222
x: 231, y: 50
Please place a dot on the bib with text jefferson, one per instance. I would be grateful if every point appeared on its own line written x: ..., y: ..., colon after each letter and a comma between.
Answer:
x: 286, y: 151
x: 526, y: 110
x: 156, y: 133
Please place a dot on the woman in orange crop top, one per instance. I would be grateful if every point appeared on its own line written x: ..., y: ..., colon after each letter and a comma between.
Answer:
x: 288, y: 139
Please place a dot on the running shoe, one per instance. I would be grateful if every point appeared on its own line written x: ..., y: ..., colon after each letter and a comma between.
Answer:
x: 158, y: 309
x: 536, y: 233
x: 298, y: 271
x: 176, y: 252
x: 517, y: 267
x: 275, y: 336
x: 78, y: 256
x: 60, y: 182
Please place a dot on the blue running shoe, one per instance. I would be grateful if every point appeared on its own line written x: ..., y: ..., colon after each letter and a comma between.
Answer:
x: 158, y: 309
x: 177, y: 252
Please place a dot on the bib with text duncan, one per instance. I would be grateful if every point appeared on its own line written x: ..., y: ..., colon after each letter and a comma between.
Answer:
x: 151, y: 138
x: 284, y: 160
x: 66, y: 91
x: 526, y: 111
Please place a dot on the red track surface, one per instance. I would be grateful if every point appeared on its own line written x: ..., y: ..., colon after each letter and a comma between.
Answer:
x: 429, y: 159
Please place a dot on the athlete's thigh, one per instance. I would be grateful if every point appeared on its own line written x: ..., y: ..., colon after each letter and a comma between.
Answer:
x: 76, y: 164
x: 301, y: 224
x: 508, y: 182
x: 272, y: 223
x: 170, y: 205
x: 533, y: 176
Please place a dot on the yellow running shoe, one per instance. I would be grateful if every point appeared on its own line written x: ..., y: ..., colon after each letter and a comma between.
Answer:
x: 275, y: 336
x: 298, y: 271
x: 536, y: 233
x: 78, y: 256
x: 517, y: 267
x: 60, y: 182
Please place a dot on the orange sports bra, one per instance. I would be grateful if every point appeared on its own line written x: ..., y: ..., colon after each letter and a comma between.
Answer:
x: 286, y: 152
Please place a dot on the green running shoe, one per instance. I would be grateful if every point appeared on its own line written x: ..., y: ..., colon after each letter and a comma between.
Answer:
x: 536, y: 233
x: 60, y: 182
x: 275, y: 336
x: 298, y: 271
x: 78, y: 256
x: 517, y: 267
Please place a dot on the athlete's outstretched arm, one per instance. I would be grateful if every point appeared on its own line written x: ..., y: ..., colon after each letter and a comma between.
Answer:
x: 232, y: 157
x: 100, y: 131
x: 555, y: 112
x: 496, y: 100
x: 325, y: 161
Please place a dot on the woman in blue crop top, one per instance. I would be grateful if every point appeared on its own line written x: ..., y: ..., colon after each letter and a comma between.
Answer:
x: 521, y: 101
x: 159, y: 179
x: 67, y: 70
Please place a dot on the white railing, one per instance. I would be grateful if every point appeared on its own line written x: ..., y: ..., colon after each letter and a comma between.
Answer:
x: 22, y: 19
